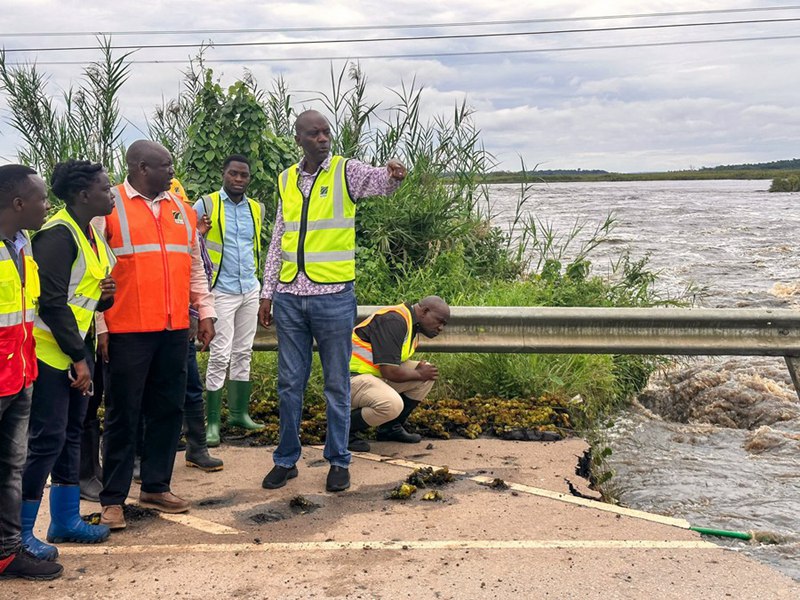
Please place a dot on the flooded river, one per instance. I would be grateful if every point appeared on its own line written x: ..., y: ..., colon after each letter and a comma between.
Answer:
x: 715, y: 441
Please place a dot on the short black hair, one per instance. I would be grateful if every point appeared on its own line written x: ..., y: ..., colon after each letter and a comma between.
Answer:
x: 11, y: 178
x: 73, y: 176
x: 235, y: 158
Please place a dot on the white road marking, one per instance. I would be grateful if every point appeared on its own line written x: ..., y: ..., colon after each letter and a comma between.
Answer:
x: 83, y: 550
x: 199, y: 524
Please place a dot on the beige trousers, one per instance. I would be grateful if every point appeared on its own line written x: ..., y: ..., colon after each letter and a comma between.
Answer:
x: 379, y: 399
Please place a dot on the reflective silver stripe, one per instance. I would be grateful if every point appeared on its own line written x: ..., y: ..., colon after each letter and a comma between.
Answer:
x: 138, y: 249
x: 30, y: 314
x: 85, y: 302
x: 338, y: 192
x: 124, y: 228
x: 284, y: 179
x: 10, y: 319
x: 178, y: 248
x: 322, y: 224
x: 216, y: 247
x: 42, y: 326
x: 339, y: 223
x: 39, y: 324
x: 142, y: 248
x: 362, y: 353
x: 320, y: 257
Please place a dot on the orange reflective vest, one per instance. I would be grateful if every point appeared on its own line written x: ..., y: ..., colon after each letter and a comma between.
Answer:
x: 154, y: 264
x: 361, y: 360
x: 17, y: 310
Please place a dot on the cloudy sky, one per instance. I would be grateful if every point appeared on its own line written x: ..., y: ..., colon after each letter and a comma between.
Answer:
x: 623, y: 104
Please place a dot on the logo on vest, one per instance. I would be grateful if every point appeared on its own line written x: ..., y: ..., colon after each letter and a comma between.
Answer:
x: 323, y: 191
x: 178, y: 217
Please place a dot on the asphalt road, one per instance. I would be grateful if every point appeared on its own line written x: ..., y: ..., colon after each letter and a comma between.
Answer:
x: 531, y: 540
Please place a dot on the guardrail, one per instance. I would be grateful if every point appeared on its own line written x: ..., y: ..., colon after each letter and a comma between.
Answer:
x: 672, y: 331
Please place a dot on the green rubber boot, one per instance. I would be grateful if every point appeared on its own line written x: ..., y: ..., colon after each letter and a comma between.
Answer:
x: 239, y: 406
x: 213, y: 404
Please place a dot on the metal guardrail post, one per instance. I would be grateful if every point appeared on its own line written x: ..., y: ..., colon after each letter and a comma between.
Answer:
x: 656, y: 331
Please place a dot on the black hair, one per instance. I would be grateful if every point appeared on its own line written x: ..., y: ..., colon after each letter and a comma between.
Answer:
x: 11, y: 178
x: 73, y: 176
x: 235, y: 158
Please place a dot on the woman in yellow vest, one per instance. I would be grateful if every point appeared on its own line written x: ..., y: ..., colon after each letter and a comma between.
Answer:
x: 74, y: 267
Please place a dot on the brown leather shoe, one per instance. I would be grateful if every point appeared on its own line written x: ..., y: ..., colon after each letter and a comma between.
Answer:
x: 113, y: 516
x: 164, y: 501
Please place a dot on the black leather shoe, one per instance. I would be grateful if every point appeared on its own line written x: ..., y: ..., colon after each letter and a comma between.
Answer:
x: 278, y: 477
x: 338, y: 479
x: 356, y: 444
x: 396, y: 433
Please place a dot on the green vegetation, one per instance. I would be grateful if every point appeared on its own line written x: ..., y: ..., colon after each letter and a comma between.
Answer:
x: 768, y: 170
x: 434, y: 236
x: 589, y: 176
x: 82, y: 123
x: 789, y: 182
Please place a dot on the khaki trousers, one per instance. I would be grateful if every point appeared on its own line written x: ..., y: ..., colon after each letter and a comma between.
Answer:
x: 379, y: 399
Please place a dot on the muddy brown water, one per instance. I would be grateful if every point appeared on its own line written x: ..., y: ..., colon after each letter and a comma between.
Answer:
x: 716, y: 440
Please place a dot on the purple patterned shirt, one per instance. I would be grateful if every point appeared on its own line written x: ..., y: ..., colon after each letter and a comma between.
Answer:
x: 362, y: 181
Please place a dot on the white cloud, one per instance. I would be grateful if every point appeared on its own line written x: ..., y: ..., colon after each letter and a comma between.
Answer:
x: 618, y: 109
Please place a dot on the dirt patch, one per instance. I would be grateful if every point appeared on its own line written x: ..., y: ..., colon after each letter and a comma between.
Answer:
x: 216, y: 501
x: 270, y: 516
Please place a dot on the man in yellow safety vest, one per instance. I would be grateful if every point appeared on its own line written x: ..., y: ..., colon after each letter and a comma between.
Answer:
x: 385, y: 384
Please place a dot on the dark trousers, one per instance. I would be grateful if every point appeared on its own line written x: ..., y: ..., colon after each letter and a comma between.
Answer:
x: 54, y: 433
x: 99, y: 389
x: 147, y: 376
x: 14, y: 413
x: 194, y: 385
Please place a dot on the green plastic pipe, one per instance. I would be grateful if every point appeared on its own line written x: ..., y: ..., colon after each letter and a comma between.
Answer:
x: 741, y: 535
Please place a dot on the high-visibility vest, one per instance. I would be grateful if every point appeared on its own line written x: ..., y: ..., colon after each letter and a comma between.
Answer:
x: 154, y: 264
x: 320, y: 235
x: 83, y: 293
x: 215, y: 238
x: 176, y: 188
x: 18, y: 366
x: 361, y: 360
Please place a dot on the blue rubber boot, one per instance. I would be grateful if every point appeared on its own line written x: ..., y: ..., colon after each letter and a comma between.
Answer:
x: 42, y: 551
x: 66, y: 524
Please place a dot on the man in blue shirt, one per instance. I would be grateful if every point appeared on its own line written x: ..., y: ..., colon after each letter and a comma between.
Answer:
x: 233, y: 242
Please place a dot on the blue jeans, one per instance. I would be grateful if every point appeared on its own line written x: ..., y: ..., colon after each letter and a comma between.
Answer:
x: 14, y: 413
x: 299, y: 320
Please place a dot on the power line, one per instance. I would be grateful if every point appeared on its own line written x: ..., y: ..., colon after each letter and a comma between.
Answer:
x: 440, y: 54
x: 396, y: 26
x: 417, y: 38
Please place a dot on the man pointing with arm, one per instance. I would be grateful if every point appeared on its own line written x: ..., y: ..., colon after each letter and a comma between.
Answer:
x: 308, y: 278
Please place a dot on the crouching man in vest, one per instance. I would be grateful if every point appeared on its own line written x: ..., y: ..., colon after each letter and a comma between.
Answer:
x: 385, y: 385
x: 145, y: 335
x: 233, y: 242
x: 308, y: 277
x: 74, y: 265
x: 23, y: 205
